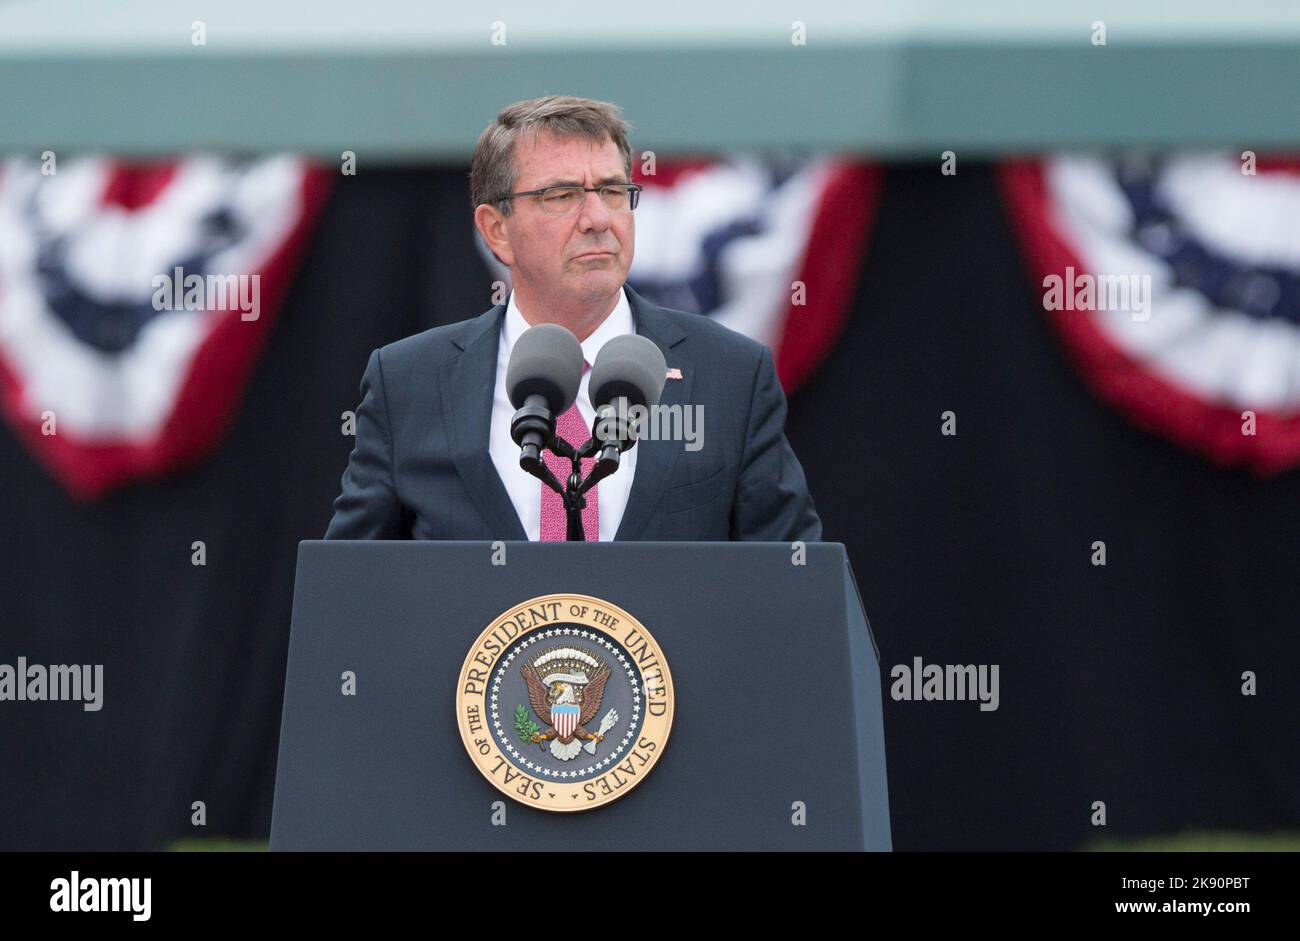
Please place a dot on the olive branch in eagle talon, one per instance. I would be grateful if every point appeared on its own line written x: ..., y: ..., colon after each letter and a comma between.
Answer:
x: 525, y: 727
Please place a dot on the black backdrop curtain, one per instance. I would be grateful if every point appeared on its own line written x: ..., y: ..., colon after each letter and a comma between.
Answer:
x: 1118, y: 684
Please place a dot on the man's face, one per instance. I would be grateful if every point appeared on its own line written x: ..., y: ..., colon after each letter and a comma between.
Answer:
x: 547, y: 252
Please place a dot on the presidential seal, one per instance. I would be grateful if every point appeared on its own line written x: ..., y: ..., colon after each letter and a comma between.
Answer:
x: 565, y: 702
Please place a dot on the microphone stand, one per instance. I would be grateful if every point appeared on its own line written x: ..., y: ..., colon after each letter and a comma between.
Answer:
x: 575, y: 486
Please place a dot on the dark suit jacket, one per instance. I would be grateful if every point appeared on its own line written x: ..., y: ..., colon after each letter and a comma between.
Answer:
x: 421, y: 468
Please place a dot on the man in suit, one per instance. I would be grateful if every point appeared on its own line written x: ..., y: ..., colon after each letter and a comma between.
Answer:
x: 433, y: 459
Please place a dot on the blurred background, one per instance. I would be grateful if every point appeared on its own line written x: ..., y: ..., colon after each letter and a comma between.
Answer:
x: 1099, y: 497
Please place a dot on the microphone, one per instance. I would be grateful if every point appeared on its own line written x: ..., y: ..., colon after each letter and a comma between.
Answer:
x: 630, y: 370
x: 542, y: 380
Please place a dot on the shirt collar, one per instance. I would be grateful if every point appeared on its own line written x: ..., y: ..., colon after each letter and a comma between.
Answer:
x: 616, y: 324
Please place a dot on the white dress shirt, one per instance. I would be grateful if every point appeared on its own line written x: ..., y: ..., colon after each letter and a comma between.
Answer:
x: 524, y: 489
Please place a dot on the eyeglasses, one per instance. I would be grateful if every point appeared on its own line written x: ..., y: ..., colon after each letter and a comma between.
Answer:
x: 563, y: 200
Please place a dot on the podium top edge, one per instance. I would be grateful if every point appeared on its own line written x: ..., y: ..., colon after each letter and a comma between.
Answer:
x: 528, y: 542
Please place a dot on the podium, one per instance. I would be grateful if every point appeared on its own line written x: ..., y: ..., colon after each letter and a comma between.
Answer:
x: 776, y: 740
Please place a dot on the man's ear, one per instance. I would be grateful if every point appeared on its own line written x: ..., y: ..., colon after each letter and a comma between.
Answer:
x: 491, y: 224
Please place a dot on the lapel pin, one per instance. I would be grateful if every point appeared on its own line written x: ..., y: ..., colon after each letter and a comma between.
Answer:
x: 674, y: 373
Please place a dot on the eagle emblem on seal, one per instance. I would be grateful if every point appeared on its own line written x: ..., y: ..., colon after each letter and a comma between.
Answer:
x: 565, y: 687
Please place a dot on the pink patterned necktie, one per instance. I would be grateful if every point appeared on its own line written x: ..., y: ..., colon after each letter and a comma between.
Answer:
x: 555, y: 524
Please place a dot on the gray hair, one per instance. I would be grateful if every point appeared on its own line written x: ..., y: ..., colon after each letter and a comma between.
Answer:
x: 493, y: 170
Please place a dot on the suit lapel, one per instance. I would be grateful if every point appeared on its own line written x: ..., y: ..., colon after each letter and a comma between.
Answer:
x: 468, y: 386
x: 654, y: 463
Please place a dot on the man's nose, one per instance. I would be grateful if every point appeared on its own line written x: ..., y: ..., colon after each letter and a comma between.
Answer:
x: 595, y: 214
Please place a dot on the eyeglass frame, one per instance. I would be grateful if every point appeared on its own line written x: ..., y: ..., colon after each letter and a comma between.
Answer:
x: 633, y: 191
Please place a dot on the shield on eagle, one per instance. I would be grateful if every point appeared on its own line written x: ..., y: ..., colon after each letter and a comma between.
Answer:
x: 565, y: 719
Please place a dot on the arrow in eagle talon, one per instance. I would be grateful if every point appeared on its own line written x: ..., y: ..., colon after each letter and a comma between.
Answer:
x: 606, y: 724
